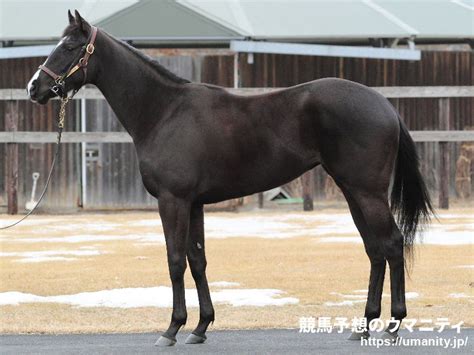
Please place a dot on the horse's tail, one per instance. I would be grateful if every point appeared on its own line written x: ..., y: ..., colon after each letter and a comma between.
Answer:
x: 410, y: 199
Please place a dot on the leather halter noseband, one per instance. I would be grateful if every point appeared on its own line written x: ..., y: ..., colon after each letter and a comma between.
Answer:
x: 88, y: 50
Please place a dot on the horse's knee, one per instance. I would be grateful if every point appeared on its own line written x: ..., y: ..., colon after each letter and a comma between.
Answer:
x: 177, y: 267
x: 198, y: 269
x: 198, y: 265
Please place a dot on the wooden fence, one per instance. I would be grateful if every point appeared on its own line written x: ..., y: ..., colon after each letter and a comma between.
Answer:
x: 12, y: 137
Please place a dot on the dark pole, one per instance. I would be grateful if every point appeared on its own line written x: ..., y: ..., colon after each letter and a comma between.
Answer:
x: 11, y: 124
x: 260, y: 200
x: 307, y: 181
x: 444, y: 155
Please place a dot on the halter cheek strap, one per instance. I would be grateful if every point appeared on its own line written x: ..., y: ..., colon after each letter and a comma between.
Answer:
x: 81, y: 64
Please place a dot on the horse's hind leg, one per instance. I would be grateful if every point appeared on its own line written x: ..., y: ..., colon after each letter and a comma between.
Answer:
x: 377, y: 265
x: 197, y: 262
x: 384, y: 231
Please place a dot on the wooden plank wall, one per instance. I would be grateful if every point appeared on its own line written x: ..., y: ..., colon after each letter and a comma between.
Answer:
x: 436, y: 68
x: 65, y: 190
x: 122, y: 188
x: 113, y: 178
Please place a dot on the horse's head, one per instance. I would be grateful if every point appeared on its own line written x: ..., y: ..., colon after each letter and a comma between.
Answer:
x: 66, y: 67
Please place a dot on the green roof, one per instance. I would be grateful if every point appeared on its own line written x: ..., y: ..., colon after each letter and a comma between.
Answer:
x: 217, y: 21
x: 164, y: 20
x: 342, y: 19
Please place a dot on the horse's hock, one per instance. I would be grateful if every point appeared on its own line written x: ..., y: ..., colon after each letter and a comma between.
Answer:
x: 465, y: 170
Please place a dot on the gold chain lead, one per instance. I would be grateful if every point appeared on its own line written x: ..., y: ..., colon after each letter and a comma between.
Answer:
x: 62, y: 112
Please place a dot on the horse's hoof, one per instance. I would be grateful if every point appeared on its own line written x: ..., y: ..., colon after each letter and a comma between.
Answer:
x: 359, y: 335
x: 388, y: 335
x: 164, y: 341
x: 195, y: 339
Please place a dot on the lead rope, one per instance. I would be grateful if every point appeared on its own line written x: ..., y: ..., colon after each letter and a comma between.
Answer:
x: 61, y: 117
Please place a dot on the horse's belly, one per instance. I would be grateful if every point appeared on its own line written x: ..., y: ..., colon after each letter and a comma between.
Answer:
x: 249, y: 180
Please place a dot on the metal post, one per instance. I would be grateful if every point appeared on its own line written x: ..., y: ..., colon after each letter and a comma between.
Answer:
x: 83, y: 155
x: 11, y: 124
x: 444, y: 172
x: 260, y: 200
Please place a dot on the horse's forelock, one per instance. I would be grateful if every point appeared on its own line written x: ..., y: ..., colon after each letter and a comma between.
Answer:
x: 71, y: 28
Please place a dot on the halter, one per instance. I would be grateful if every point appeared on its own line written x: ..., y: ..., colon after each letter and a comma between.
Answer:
x: 87, y: 50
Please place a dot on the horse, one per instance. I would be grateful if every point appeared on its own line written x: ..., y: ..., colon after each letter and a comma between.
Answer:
x: 198, y: 144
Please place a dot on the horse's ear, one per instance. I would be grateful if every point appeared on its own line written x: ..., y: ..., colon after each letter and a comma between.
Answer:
x: 71, y: 18
x: 83, y: 24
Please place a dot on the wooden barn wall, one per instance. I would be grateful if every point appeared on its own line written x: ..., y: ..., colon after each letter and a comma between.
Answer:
x: 112, y: 185
x: 64, y: 191
x: 434, y: 69
x: 113, y: 178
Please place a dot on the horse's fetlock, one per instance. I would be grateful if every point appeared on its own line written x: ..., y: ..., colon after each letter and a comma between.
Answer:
x: 207, y: 316
x: 179, y: 318
x: 399, y: 311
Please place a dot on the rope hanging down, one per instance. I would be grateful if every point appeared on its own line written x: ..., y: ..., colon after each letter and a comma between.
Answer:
x: 60, y: 123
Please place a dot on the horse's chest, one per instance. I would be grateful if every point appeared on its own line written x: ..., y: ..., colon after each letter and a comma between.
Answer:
x: 165, y: 171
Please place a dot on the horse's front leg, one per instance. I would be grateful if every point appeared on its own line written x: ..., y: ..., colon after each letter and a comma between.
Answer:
x: 175, y: 215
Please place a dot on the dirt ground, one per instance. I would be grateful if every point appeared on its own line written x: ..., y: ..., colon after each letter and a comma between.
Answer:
x: 126, y: 250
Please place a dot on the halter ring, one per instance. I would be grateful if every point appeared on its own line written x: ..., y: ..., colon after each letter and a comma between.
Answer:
x: 90, y: 48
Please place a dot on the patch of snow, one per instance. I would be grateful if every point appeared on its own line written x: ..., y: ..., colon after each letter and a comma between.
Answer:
x: 454, y: 216
x: 447, y: 236
x: 357, y: 240
x: 360, y: 296
x: 252, y: 297
x: 82, y: 238
x: 348, y: 296
x: 326, y: 227
x: 411, y: 295
x: 459, y: 295
x: 99, y: 226
x: 152, y: 297
x: 29, y: 222
x: 14, y: 298
x: 48, y: 255
x: 343, y: 303
x: 223, y: 284
x: 41, y: 259
x: 147, y: 223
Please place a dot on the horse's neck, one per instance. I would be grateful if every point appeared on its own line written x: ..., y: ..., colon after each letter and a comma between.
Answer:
x: 137, y: 94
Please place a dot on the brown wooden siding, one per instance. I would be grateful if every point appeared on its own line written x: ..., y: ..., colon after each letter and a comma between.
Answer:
x: 65, y: 189
x: 114, y: 186
x: 436, y: 68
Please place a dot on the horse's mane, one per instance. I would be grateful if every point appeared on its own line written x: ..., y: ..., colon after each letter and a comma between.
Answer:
x: 147, y: 59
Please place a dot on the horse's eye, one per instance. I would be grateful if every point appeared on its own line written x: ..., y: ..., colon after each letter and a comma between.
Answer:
x: 69, y: 48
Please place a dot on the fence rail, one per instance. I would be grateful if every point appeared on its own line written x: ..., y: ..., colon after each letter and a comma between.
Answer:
x: 12, y: 137
x: 387, y: 91
x: 123, y: 137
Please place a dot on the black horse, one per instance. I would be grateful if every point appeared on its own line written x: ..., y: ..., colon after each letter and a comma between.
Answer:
x: 199, y: 144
